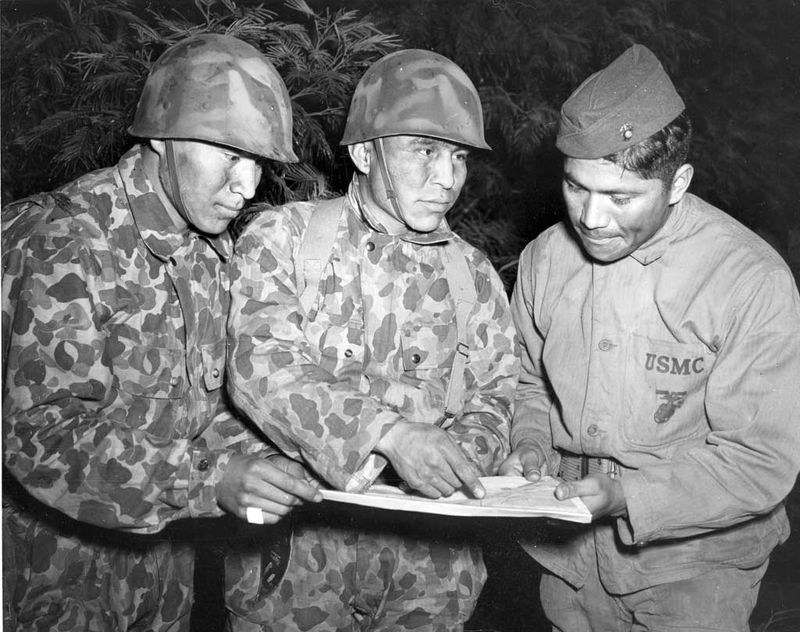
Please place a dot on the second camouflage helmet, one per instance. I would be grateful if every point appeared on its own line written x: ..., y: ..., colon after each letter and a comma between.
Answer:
x: 415, y: 92
x: 217, y: 89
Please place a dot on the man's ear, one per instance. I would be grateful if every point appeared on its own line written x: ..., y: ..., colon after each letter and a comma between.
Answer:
x: 361, y: 154
x: 680, y: 183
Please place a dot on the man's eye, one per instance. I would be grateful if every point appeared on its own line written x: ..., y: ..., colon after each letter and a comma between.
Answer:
x: 571, y: 186
x: 461, y: 157
x: 620, y: 201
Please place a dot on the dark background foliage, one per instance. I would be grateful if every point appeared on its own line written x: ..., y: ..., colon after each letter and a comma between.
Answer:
x: 71, y: 72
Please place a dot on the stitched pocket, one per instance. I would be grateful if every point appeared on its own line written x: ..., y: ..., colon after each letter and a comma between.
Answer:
x: 664, y: 391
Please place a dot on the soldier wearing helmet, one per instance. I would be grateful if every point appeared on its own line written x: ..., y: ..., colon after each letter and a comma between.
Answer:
x: 115, y: 296
x: 371, y: 343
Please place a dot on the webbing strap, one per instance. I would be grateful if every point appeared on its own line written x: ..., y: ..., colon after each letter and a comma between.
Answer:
x: 462, y: 288
x: 315, y: 249
x: 387, y: 179
x: 172, y: 170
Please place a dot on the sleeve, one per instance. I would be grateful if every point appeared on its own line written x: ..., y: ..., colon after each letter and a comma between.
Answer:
x: 60, y: 440
x: 275, y: 375
x: 750, y: 459
x: 482, y: 430
x: 229, y: 433
x: 534, y: 398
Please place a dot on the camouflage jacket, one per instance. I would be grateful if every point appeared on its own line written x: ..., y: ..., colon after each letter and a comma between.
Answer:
x: 376, y: 347
x: 114, y: 353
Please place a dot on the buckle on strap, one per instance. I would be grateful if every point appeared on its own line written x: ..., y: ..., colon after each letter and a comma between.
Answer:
x: 577, y: 466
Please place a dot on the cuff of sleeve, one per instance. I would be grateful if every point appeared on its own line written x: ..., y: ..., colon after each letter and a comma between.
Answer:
x: 366, y: 474
x: 484, y: 439
x: 640, y: 525
x: 207, y: 468
x: 368, y: 464
x: 254, y: 446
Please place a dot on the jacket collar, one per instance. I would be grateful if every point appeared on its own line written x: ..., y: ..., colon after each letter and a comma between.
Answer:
x: 443, y: 232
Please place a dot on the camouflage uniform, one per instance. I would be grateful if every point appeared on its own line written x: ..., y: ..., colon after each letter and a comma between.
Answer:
x: 375, y: 349
x: 113, y: 411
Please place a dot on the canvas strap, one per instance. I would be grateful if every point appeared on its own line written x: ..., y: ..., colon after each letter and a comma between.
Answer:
x: 315, y: 249
x: 313, y: 255
x: 462, y: 288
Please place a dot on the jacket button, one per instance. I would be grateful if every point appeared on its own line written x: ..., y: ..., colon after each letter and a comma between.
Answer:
x: 215, y: 373
x: 202, y: 465
x: 370, y: 246
x: 592, y: 430
x: 348, y: 353
x: 174, y: 380
x: 604, y: 345
x: 416, y: 358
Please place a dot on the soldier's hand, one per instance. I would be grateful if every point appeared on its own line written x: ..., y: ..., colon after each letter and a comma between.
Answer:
x: 429, y: 461
x: 601, y: 493
x: 526, y: 460
x: 275, y: 485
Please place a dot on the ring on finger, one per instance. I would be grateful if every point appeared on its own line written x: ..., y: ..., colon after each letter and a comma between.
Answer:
x: 254, y: 515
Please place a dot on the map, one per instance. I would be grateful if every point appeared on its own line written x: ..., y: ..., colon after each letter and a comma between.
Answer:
x: 506, y: 497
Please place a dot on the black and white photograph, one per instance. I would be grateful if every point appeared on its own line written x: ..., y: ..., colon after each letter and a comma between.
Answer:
x: 400, y: 315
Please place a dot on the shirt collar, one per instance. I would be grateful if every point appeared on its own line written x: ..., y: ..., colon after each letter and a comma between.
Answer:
x: 443, y: 232
x: 657, y: 245
x: 158, y: 231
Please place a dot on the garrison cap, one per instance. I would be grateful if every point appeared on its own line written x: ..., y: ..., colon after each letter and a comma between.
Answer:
x: 623, y: 104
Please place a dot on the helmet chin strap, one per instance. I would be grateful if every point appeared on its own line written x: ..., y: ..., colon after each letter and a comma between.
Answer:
x: 387, y: 179
x: 172, y: 170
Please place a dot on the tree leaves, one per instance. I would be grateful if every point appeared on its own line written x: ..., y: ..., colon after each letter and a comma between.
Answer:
x: 73, y: 78
x: 71, y: 82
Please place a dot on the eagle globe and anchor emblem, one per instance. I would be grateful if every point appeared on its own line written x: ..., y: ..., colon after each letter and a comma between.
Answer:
x: 672, y: 401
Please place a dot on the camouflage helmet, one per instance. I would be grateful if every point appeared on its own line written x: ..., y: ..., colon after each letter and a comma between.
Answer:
x: 217, y: 89
x: 415, y: 92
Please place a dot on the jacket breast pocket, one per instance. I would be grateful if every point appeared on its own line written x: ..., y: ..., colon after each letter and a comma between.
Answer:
x: 153, y: 372
x: 341, y: 347
x: 664, y: 391
x: 428, y: 348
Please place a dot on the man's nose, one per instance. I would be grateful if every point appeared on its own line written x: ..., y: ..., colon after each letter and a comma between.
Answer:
x: 246, y: 177
x: 593, y: 215
x: 444, y: 171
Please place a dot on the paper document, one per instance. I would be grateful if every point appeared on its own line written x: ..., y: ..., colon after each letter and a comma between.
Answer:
x: 506, y: 497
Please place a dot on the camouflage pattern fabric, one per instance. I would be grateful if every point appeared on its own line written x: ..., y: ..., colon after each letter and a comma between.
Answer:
x: 63, y: 576
x: 392, y: 576
x: 218, y: 89
x: 113, y: 411
x: 375, y: 349
x: 415, y: 92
